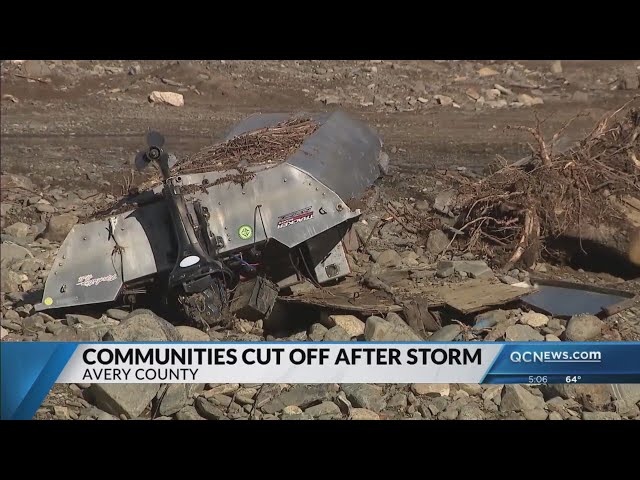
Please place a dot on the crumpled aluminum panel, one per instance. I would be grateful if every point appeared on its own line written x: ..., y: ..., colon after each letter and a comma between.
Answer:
x: 343, y: 154
x: 90, y: 269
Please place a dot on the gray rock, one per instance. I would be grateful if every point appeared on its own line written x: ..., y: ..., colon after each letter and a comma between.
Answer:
x: 508, y: 279
x: 471, y: 388
x: 36, y: 68
x: 528, y: 100
x: 439, y: 404
x: 443, y: 100
x: 190, y: 334
x: 364, y: 396
x: 188, y: 413
x: 555, y: 416
x: 557, y: 324
x: 380, y: 330
x: 535, y: 414
x: 45, y: 208
x: 450, y: 413
x: 10, y: 180
x: 534, y: 319
x: 60, y: 226
x: 445, y: 269
x: 18, y: 230
x: 130, y: 399
x: 471, y: 411
x: 291, y: 410
x: 10, y: 253
x: 582, y: 328
x: 135, y: 70
x: 208, y: 410
x: 395, y: 319
x: 325, y: 408
x: 422, y: 206
x: 143, y: 327
x: 25, y: 310
x: 33, y: 323
x: 84, y: 320
x: 600, y: 416
x: 351, y: 324
x: 522, y: 333
x: 221, y: 400
x: 444, y: 200
x: 389, y: 258
x: 329, y: 99
x: 474, y: 268
x: 437, y: 242
x: 399, y: 400
x: 337, y: 334
x: 489, y: 319
x: 425, y: 412
x: 64, y: 333
x: 516, y: 398
x: 13, y: 326
x: 502, y: 89
x: 30, y: 266
x: 299, y: 416
x: 556, y: 67
x: 300, y: 396
x: 176, y: 396
x: 104, y: 415
x: 117, y: 313
x: 317, y: 332
x: 12, y: 316
x: 91, y: 335
x: 446, y: 333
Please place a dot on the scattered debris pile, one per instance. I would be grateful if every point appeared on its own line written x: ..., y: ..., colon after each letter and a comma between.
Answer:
x: 266, y: 146
x: 270, y: 145
x: 589, y: 193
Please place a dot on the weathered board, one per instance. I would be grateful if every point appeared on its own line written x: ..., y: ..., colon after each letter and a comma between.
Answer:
x: 476, y: 295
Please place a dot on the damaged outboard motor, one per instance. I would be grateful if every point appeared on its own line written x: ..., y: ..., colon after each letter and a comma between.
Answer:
x: 224, y: 231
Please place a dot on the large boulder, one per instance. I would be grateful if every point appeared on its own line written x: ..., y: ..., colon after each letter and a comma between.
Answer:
x: 132, y: 399
x: 380, y: 330
x: 60, y: 226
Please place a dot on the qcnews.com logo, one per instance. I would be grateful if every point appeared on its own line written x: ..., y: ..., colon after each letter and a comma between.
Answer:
x: 556, y: 357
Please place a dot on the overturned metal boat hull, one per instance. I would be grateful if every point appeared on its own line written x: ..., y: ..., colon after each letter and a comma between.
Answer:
x: 298, y: 204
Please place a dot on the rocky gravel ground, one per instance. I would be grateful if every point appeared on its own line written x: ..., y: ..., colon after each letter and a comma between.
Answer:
x: 47, y: 187
x: 29, y: 247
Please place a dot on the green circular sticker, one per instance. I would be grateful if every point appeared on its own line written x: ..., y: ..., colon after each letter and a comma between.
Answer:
x: 245, y: 232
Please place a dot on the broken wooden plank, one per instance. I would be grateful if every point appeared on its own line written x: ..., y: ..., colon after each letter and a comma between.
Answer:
x: 418, y: 316
x: 619, y: 307
x: 343, y: 305
x: 348, y: 297
x: 473, y: 296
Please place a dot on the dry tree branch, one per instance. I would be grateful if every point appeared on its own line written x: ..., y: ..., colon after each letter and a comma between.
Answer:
x: 537, y: 134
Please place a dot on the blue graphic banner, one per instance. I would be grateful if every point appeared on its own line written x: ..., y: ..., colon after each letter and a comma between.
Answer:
x: 30, y: 369
x: 566, y: 362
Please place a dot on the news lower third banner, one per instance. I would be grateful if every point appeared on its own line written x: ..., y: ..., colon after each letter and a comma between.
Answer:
x: 30, y: 369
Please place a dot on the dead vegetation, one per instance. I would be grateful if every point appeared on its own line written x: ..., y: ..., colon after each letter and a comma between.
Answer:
x: 266, y: 146
x: 588, y: 192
